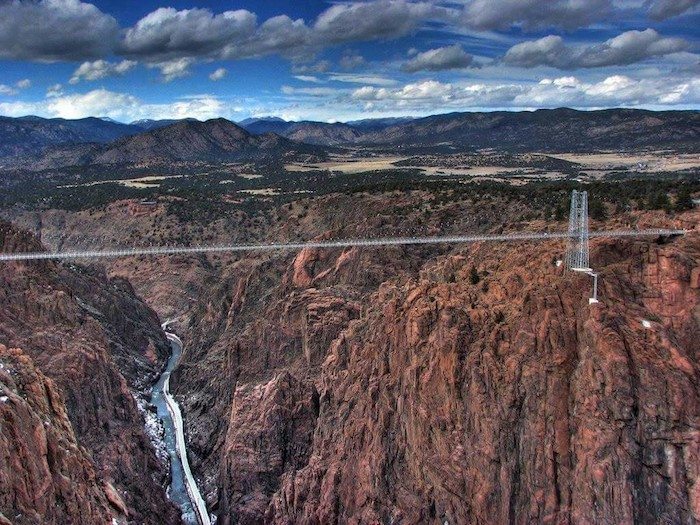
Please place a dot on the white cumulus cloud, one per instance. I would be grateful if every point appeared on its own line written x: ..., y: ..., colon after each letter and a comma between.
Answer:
x: 123, y: 107
x: 56, y: 90
x: 627, y: 48
x: 352, y: 60
x: 7, y: 90
x: 14, y: 90
x: 172, y: 69
x: 99, y: 102
x: 440, y: 59
x: 219, y: 74
x: 53, y: 30
x: 615, y: 90
x: 167, y: 34
x: 100, y: 69
x: 663, y: 9
x: 532, y: 14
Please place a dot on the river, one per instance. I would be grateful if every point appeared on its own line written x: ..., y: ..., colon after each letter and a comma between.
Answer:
x: 183, y: 489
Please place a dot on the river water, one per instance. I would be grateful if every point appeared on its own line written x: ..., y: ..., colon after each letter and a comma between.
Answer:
x: 177, y: 491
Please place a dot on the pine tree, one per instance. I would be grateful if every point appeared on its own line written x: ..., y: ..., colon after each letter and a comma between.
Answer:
x: 683, y: 200
x: 474, y: 275
x: 596, y: 210
x: 658, y: 201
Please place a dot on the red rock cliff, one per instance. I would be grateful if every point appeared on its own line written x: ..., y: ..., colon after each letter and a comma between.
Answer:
x: 37, y: 441
x: 100, y: 346
x: 433, y: 399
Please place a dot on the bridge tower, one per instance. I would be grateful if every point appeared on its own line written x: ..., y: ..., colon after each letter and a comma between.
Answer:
x: 577, y: 252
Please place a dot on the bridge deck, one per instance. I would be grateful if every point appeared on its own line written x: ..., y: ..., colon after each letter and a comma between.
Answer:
x: 339, y: 243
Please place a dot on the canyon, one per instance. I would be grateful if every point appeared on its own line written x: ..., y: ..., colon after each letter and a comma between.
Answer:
x: 350, y: 262
x: 453, y: 383
x: 77, y: 352
x: 386, y: 385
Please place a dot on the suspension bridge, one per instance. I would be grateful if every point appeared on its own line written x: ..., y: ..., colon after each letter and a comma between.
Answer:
x: 577, y: 254
x: 342, y: 243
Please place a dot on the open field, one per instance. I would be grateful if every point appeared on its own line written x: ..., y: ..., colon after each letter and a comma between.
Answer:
x: 653, y: 162
x: 494, y: 166
x: 140, y: 182
x: 349, y: 164
x: 257, y: 183
x: 262, y: 191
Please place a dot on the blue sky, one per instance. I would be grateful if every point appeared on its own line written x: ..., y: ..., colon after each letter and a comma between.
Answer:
x: 343, y: 60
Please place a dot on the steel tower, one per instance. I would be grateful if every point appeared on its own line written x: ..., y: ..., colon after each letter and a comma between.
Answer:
x: 577, y: 250
x: 577, y: 253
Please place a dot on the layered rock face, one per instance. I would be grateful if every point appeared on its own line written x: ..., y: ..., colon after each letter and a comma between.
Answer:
x: 389, y: 386
x: 89, y: 459
x: 511, y: 405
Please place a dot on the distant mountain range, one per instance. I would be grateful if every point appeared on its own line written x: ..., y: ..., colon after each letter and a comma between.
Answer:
x: 34, y: 134
x: 542, y: 130
x: 149, y: 124
x: 321, y: 133
x: 184, y: 140
x: 92, y: 140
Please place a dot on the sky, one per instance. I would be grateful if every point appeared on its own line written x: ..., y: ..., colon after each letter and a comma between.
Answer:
x: 344, y: 60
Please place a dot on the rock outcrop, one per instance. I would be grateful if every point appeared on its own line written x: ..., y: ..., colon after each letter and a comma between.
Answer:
x: 41, y: 462
x: 271, y: 440
x: 515, y: 404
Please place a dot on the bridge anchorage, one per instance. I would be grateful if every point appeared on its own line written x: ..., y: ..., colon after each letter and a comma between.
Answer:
x: 577, y: 252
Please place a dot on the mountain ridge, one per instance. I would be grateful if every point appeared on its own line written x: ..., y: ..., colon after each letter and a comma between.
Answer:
x: 77, y: 142
x: 560, y: 129
x: 32, y: 134
x: 185, y: 140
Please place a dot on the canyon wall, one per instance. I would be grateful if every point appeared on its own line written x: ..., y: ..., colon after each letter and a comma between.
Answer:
x: 88, y: 348
x: 394, y: 386
x: 425, y: 384
x: 45, y: 476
